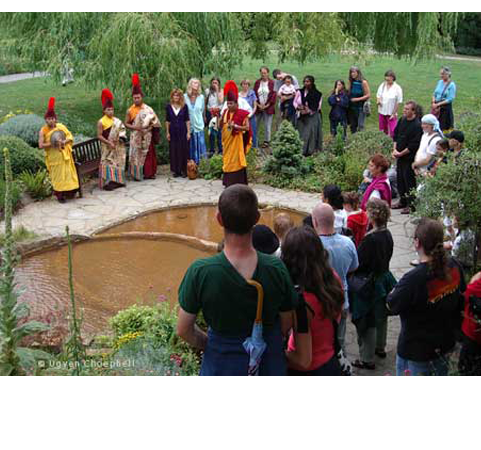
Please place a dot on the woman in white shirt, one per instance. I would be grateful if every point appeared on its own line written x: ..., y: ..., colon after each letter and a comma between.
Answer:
x: 389, y: 96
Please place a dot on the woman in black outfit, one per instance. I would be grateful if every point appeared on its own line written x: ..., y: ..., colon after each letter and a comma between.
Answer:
x: 369, y: 313
x: 430, y: 302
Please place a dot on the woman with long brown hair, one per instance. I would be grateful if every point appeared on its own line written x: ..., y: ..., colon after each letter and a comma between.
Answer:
x: 430, y: 303
x: 314, y: 352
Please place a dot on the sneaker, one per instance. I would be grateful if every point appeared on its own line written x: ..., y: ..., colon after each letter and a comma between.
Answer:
x: 414, y: 262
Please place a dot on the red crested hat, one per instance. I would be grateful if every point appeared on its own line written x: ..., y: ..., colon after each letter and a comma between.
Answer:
x: 231, y: 91
x: 50, y: 109
x: 107, y: 99
x: 136, y: 89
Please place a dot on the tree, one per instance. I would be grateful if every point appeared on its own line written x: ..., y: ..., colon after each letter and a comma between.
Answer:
x: 455, y: 191
x: 167, y: 48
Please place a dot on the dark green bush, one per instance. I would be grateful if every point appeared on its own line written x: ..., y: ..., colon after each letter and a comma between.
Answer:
x: 369, y: 143
x: 211, y: 168
x: 22, y: 156
x: 287, y: 159
x: 37, y: 185
x: 470, y: 124
x: 24, y: 126
x: 77, y: 125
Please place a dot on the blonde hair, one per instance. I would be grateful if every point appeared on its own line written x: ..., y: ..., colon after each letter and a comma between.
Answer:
x: 181, y: 95
x: 189, y: 87
x: 282, y: 224
x: 246, y: 81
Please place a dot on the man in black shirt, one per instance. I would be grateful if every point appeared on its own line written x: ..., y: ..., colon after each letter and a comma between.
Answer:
x: 407, y: 137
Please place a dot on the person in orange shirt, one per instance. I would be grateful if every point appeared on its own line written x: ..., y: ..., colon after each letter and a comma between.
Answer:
x: 236, y: 138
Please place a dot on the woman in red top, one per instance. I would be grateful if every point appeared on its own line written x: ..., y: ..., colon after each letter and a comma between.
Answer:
x: 470, y: 356
x: 308, y: 265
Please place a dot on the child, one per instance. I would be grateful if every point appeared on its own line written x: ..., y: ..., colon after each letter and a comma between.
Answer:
x: 287, y: 92
x: 282, y: 224
x: 333, y: 196
x: 442, y: 148
x: 339, y: 102
x: 357, y: 219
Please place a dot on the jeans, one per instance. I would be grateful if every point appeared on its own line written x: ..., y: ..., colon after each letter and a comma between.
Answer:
x: 335, y: 124
x: 267, y: 119
x: 341, y: 329
x: 215, y: 135
x: 253, y: 125
x: 436, y: 367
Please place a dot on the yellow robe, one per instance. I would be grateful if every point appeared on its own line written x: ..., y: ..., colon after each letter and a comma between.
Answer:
x: 234, y: 154
x: 60, y: 163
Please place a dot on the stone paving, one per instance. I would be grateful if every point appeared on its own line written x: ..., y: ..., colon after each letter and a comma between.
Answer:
x: 99, y: 209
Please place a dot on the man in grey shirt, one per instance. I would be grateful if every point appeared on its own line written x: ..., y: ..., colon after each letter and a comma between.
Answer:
x: 342, y: 254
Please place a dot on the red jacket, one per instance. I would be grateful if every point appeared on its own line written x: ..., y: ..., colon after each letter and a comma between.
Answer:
x: 470, y: 327
x: 271, y: 98
x: 357, y: 223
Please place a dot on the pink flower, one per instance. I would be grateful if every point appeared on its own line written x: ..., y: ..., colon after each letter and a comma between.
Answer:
x: 407, y: 372
x: 162, y: 298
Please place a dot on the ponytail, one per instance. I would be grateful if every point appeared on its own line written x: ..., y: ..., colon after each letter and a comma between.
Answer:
x: 430, y: 234
x: 439, y: 263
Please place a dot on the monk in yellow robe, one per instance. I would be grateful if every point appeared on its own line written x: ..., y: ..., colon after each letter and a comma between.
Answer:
x: 58, y: 156
x: 236, y: 138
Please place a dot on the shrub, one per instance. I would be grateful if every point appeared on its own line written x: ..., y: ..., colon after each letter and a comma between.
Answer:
x: 148, y: 335
x: 287, y: 159
x: 24, y: 126
x: 470, y: 124
x: 18, y: 235
x: 211, y: 168
x: 37, y: 185
x: 369, y: 143
x: 22, y: 156
x: 455, y: 191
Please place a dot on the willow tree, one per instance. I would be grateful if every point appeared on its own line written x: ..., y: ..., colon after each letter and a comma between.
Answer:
x: 166, y: 48
x: 106, y: 48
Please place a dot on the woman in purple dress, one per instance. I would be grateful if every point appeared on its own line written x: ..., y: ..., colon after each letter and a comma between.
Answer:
x: 177, y: 125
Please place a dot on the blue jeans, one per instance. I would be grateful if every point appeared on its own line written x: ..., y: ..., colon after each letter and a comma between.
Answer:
x: 215, y: 135
x: 253, y: 125
x: 341, y: 329
x: 437, y: 367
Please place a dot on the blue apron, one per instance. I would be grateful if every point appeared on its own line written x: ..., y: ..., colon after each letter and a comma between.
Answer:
x: 226, y: 355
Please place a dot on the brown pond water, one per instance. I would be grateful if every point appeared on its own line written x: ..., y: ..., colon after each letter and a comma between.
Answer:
x: 109, y: 275
x: 198, y: 221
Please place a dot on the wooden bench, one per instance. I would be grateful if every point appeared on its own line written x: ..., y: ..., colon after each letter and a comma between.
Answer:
x: 87, y: 159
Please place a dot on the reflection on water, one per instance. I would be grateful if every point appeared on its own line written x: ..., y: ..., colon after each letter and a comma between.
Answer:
x: 198, y: 221
x: 109, y: 275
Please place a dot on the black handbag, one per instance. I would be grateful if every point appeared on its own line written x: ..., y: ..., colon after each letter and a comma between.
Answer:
x: 360, y: 284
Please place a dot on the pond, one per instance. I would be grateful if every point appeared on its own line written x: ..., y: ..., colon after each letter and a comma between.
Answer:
x: 113, y: 272
x: 197, y: 221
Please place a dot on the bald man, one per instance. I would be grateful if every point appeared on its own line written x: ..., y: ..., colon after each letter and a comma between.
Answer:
x: 342, y: 254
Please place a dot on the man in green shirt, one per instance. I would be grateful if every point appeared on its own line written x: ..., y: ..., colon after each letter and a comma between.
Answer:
x: 218, y: 286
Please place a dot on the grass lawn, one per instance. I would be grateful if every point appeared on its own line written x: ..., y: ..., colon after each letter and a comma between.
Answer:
x: 417, y: 80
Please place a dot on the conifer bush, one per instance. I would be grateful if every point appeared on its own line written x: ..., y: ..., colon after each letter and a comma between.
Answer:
x: 22, y: 156
x: 287, y: 160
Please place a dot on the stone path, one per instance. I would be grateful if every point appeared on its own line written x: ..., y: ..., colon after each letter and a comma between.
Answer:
x: 21, y: 76
x: 99, y: 209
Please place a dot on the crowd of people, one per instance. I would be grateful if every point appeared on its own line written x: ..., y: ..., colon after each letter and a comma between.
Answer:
x: 314, y: 278
x: 333, y: 267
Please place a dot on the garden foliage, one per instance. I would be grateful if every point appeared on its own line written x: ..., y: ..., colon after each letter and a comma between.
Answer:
x: 455, y: 192
x: 287, y: 160
x: 24, y: 126
x: 22, y: 156
x: 14, y: 359
x: 148, y: 333
x: 211, y: 168
x: 37, y: 185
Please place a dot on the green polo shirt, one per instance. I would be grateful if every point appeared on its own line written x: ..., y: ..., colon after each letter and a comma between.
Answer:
x: 228, y: 302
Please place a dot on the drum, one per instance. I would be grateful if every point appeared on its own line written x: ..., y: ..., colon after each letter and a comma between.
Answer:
x: 56, y: 138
